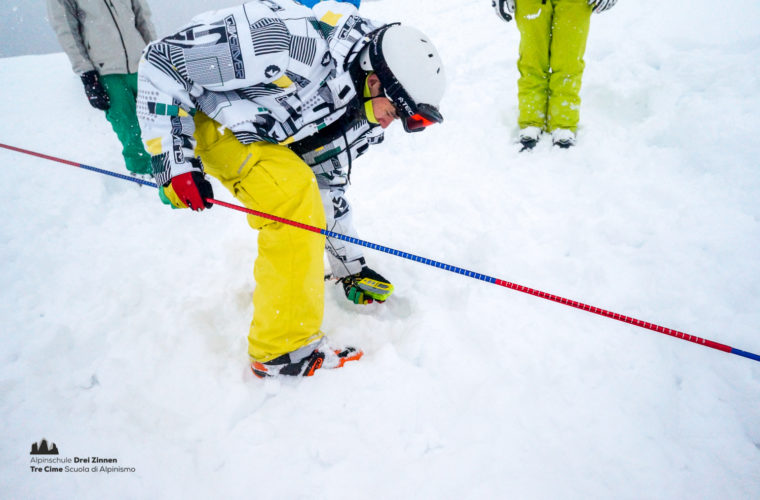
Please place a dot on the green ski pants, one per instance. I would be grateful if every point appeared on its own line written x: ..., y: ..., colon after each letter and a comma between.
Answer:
x: 553, y: 37
x: 122, y: 91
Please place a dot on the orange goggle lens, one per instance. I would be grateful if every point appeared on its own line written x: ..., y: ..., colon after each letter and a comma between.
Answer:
x: 424, y: 117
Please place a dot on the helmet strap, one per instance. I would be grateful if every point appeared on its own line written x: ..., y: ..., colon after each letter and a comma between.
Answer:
x: 369, y: 110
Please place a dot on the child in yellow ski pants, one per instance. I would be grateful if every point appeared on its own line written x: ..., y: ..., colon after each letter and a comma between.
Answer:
x: 553, y: 37
x: 288, y: 301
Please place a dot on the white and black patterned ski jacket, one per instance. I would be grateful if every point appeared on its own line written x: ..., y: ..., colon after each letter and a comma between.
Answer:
x: 104, y: 35
x: 268, y: 70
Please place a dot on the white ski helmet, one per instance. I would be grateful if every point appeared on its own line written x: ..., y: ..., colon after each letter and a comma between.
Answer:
x: 410, y: 71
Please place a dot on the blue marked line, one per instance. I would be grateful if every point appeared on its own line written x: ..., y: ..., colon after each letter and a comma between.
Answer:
x: 746, y: 354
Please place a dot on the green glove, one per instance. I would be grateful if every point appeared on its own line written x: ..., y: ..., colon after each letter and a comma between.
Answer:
x: 366, y: 286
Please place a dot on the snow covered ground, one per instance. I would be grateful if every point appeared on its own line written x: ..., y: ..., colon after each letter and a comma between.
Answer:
x: 124, y: 323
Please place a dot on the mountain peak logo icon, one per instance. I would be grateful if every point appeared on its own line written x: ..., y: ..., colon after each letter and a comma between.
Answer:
x: 43, y: 449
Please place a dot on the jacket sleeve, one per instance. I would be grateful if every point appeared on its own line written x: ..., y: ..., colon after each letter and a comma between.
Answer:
x: 63, y: 18
x: 142, y: 20
x: 345, y: 259
x: 165, y: 109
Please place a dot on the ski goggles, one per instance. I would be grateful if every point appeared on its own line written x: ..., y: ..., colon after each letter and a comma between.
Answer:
x: 425, y: 116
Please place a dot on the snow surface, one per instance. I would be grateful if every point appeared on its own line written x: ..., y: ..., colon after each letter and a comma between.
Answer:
x: 124, y: 323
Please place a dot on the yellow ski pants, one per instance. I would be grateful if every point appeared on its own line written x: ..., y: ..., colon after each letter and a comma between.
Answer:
x: 288, y: 301
x: 552, y: 43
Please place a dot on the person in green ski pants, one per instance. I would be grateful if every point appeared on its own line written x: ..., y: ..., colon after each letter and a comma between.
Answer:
x: 103, y: 41
x: 122, y: 114
x: 553, y: 37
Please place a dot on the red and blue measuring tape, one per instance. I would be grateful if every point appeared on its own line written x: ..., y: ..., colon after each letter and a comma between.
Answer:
x: 440, y: 265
